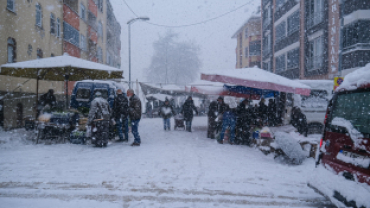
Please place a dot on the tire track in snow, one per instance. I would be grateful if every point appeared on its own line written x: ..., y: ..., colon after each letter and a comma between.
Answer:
x: 34, y: 190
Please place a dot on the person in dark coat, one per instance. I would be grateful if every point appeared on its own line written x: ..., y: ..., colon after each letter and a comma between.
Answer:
x: 301, y: 122
x: 120, y: 112
x: 47, y: 99
x: 221, y: 108
x: 271, y: 111
x: 228, y: 121
x: 212, y: 124
x: 166, y: 111
x: 244, y: 119
x: 187, y: 111
x: 262, y: 111
x: 134, y: 111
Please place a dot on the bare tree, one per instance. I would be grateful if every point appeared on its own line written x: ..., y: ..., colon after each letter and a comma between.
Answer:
x: 173, y: 61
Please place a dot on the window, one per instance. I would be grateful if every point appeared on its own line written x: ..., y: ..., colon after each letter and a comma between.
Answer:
x: 82, y: 12
x: 108, y: 58
x: 104, y: 92
x: 279, y: 3
x: 355, y: 108
x: 83, y: 94
x: 357, y: 32
x: 246, y: 52
x: 315, y: 54
x: 280, y: 31
x: 29, y: 50
x: 100, y: 54
x: 255, y: 49
x: 280, y: 63
x: 73, y: 4
x: 267, y: 45
x: 315, y: 12
x: 58, y: 27
x: 11, y: 50
x: 266, y: 66
x: 100, y: 29
x: 71, y: 34
x: 10, y: 4
x: 38, y: 15
x: 266, y: 17
x: 246, y: 33
x: 92, y: 20
x: 39, y: 54
x: 293, y: 59
x: 52, y: 24
x: 83, y: 44
x: 100, y: 5
x: 293, y: 23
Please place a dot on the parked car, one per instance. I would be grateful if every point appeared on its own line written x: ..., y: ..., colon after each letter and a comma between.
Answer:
x: 314, y: 106
x: 83, y: 93
x: 343, y: 162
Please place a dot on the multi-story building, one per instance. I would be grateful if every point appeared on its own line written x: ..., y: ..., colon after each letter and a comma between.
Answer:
x: 303, y: 41
x: 355, y: 21
x: 33, y: 29
x: 248, y: 49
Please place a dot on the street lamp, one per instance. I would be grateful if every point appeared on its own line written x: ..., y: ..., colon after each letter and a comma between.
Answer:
x: 129, y: 44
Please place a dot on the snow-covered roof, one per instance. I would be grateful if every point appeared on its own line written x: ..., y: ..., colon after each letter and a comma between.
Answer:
x: 59, y: 62
x: 112, y: 84
x: 256, y: 78
x: 356, y: 79
x: 160, y: 97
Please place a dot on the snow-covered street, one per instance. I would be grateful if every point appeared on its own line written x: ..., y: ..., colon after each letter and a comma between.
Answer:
x: 169, y: 169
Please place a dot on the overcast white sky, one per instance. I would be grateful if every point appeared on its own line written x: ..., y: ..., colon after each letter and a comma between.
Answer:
x: 214, y: 37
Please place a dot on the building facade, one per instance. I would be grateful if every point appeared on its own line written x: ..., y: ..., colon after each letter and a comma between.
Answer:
x: 33, y: 29
x: 355, y: 22
x: 248, y: 49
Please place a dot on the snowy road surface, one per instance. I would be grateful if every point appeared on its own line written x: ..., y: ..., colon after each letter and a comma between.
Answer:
x: 169, y: 169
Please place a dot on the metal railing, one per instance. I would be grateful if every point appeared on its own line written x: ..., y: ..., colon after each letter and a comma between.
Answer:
x: 315, y: 19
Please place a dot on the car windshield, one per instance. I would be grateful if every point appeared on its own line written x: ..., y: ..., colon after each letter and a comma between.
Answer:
x: 104, y: 92
x: 83, y: 94
x: 354, y: 107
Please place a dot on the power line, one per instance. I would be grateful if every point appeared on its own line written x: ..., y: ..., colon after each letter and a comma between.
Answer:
x: 187, y: 25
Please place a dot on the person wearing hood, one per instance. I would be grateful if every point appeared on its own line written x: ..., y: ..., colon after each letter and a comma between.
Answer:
x: 187, y: 111
x: 228, y: 121
x: 100, y: 110
x: 120, y: 110
x: 134, y: 111
x: 212, y: 123
x: 166, y: 111
x: 244, y: 120
x: 263, y: 112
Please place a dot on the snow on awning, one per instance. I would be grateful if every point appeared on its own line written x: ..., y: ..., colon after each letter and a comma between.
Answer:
x: 256, y: 78
x: 54, y: 69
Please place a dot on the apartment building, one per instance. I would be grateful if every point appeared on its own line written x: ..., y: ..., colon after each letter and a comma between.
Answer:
x: 355, y: 21
x: 301, y: 39
x: 248, y: 49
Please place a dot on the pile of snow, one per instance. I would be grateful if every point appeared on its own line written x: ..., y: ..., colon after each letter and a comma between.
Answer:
x: 291, y: 147
x: 356, y: 79
x: 328, y: 181
x: 354, y: 134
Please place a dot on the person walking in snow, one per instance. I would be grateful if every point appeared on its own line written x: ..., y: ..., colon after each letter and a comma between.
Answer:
x: 101, y: 113
x: 134, y: 111
x: 212, y: 123
x: 271, y: 110
x: 166, y: 112
x: 120, y: 111
x: 187, y: 111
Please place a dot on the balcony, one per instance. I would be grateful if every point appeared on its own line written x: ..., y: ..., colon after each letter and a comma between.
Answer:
x: 315, y: 62
x: 315, y: 19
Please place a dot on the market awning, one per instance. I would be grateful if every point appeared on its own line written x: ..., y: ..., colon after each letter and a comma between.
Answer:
x: 256, y: 78
x: 57, y: 68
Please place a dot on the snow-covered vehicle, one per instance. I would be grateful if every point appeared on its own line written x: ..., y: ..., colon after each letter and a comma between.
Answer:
x: 343, y: 163
x: 314, y: 105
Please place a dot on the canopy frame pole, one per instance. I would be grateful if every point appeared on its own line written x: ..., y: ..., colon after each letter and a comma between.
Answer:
x: 66, y: 79
x: 37, y: 93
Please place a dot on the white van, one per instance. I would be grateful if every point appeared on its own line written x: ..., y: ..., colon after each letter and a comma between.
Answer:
x: 314, y: 106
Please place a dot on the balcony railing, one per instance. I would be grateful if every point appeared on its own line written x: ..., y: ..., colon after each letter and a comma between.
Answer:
x: 315, y: 19
x: 315, y: 62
